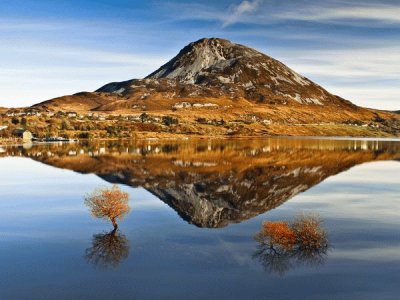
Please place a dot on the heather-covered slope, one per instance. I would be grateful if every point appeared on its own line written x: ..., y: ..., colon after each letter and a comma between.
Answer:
x: 254, y: 94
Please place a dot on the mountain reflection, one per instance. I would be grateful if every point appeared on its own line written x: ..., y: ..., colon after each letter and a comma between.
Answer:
x: 218, y: 182
x: 108, y: 249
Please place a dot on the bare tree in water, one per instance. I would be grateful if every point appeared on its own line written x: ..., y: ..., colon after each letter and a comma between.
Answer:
x: 283, y: 245
x: 109, y: 204
x: 108, y: 249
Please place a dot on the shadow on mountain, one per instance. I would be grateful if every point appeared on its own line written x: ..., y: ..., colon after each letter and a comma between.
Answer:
x: 218, y: 182
x: 108, y: 250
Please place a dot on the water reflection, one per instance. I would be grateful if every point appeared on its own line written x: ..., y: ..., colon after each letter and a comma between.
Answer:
x: 218, y: 182
x: 42, y: 220
x: 280, y: 262
x: 283, y: 246
x: 108, y: 249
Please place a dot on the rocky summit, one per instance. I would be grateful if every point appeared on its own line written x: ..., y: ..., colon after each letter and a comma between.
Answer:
x: 219, y: 68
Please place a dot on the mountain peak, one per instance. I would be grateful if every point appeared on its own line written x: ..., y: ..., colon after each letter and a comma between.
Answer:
x: 213, y: 44
x: 218, y: 68
x: 210, y: 41
x: 195, y: 58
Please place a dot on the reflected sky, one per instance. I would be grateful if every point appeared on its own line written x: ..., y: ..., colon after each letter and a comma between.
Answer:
x: 45, y: 230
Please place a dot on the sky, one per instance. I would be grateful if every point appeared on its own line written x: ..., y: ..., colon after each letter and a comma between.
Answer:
x: 52, y: 48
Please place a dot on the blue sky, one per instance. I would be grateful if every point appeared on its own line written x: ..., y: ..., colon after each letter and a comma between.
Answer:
x: 51, y: 48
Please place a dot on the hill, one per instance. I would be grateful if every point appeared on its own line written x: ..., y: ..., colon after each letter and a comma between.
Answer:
x: 214, y: 79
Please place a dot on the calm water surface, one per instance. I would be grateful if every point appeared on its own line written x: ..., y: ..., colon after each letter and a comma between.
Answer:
x: 195, y: 208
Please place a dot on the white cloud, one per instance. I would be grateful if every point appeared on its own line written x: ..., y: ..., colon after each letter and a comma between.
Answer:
x: 262, y: 12
x: 368, y: 76
x: 373, y: 63
x: 90, y: 55
x: 247, y: 12
x: 46, y: 71
x: 379, y: 13
x: 371, y: 96
x: 237, y: 11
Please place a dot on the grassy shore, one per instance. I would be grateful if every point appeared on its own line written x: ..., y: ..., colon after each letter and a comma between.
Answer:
x: 325, y: 131
x: 10, y: 141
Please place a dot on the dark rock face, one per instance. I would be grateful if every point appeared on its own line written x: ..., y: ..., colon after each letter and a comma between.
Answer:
x: 217, y: 201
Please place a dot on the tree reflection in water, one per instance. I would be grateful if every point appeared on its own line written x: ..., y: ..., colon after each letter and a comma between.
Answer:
x: 108, y: 249
x: 283, y: 246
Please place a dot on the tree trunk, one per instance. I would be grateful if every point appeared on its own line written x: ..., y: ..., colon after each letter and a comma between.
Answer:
x: 114, y: 222
x: 114, y: 232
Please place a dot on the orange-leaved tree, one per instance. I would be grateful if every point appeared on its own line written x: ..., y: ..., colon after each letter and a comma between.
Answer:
x: 280, y: 234
x: 310, y: 235
x: 108, y: 203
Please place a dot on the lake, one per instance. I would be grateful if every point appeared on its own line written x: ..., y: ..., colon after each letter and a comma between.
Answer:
x: 196, y: 207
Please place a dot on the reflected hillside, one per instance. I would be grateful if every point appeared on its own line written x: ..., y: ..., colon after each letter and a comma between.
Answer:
x: 215, y: 183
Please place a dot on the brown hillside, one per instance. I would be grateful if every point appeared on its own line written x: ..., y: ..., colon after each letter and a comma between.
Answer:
x: 216, y: 79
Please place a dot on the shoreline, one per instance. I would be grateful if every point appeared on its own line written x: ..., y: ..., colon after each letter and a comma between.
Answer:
x: 19, y: 142
x: 10, y: 142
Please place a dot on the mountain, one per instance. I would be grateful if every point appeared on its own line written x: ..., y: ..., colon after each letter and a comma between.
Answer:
x: 215, y: 183
x: 216, y: 79
x: 218, y: 68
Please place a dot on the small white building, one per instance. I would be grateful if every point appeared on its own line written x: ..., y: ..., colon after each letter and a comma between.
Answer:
x: 182, y: 105
x: 26, y: 135
x: 72, y: 114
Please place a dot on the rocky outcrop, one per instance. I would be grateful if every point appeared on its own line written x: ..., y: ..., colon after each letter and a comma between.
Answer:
x: 213, y: 67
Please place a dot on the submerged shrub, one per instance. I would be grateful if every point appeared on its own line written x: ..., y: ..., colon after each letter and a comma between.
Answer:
x: 310, y: 235
x: 282, y: 245
x: 279, y: 234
